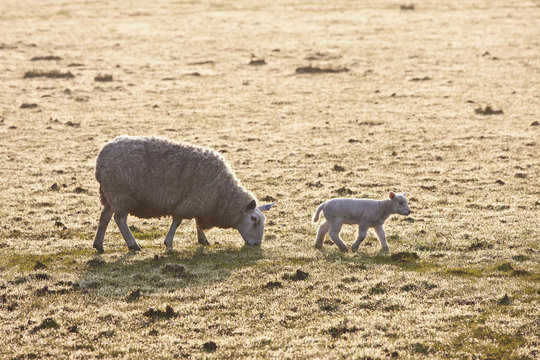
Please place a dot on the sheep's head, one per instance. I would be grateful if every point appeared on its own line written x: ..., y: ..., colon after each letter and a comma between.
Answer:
x: 401, y: 205
x: 251, y: 226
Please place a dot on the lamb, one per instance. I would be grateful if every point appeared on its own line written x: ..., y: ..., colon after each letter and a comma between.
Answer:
x: 150, y: 177
x: 365, y: 213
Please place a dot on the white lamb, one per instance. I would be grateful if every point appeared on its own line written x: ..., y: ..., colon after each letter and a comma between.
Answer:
x: 362, y: 212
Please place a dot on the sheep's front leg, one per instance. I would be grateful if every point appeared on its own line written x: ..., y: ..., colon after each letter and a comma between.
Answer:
x: 323, y: 229
x: 121, y: 221
x: 170, y: 234
x: 379, y: 230
x: 104, y: 219
x: 334, y: 235
x: 201, y: 237
x: 361, y: 236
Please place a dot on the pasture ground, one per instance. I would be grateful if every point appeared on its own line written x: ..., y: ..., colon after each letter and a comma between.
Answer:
x: 413, y: 103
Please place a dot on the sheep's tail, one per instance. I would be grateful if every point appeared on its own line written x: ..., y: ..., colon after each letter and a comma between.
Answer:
x: 319, y: 209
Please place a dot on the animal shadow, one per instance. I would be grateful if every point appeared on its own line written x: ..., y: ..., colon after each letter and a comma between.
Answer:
x: 164, y: 272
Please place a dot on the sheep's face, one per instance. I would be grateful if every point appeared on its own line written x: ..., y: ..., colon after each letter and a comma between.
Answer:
x: 401, y: 205
x: 251, y: 226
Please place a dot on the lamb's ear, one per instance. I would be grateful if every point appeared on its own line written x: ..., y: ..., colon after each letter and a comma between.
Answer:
x: 391, y: 195
x: 252, y: 204
x: 405, y: 194
x: 266, y: 207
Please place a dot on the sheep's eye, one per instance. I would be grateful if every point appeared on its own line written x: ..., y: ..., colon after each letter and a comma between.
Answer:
x: 253, y: 218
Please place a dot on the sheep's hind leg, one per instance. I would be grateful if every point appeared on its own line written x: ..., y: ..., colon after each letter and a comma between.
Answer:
x: 321, y: 233
x: 200, y: 234
x: 104, y: 219
x: 201, y: 237
x: 334, y: 235
x: 170, y: 234
x: 121, y: 221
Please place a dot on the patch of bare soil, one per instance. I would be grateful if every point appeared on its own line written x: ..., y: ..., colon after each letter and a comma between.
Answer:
x: 209, y: 346
x: 103, y: 78
x: 96, y: 262
x: 409, y: 7
x: 256, y: 62
x: 53, y: 74
x: 134, y: 295
x: 488, y: 110
x: 403, y: 256
x: 272, y: 285
x: 341, y: 329
x: 204, y: 62
x: 48, y: 323
x: 28, y: 106
x: 319, y: 70
x: 46, y: 58
x: 169, y: 313
x: 297, y: 276
x: 344, y: 191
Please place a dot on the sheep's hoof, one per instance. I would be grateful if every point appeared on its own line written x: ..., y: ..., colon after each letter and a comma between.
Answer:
x: 344, y: 249
x: 134, y: 247
x: 99, y: 249
x: 204, y: 242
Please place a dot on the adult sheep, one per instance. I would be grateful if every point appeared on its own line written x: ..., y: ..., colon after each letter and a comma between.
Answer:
x: 149, y: 178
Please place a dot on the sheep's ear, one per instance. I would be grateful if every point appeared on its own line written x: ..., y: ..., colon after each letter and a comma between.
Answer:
x: 391, y: 195
x: 252, y: 204
x: 405, y: 194
x: 266, y: 207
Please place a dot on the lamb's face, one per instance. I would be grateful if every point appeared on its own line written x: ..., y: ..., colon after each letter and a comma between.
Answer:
x: 251, y: 227
x: 401, y: 205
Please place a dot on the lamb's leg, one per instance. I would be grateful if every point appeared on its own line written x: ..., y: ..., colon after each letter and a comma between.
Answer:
x: 334, y: 235
x: 323, y: 229
x: 361, y: 236
x: 382, y: 237
x: 121, y: 221
x: 170, y: 234
x: 104, y: 219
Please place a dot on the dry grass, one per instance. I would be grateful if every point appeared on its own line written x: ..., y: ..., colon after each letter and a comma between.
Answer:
x: 463, y: 276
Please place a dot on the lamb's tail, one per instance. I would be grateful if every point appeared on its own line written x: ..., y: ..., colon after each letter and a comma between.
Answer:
x: 319, y: 209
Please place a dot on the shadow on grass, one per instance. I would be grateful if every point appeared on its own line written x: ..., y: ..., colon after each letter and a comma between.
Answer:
x: 409, y: 261
x: 164, y: 272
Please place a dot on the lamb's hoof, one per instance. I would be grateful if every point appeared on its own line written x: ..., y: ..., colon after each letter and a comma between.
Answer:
x: 99, y: 249
x: 385, y: 250
x: 134, y: 247
x: 354, y: 248
x: 344, y: 249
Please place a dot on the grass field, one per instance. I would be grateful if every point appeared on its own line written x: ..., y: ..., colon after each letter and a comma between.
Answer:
x: 307, y: 100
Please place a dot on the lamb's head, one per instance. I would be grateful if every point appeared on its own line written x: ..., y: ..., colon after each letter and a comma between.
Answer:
x: 400, y: 203
x: 251, y: 225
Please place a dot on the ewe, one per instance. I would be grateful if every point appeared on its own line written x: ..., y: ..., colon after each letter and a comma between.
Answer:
x: 150, y: 177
